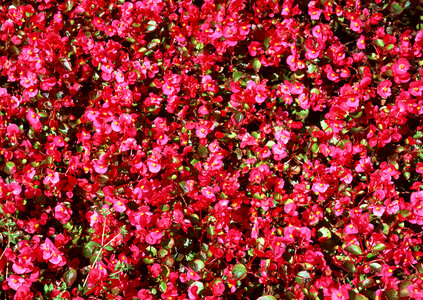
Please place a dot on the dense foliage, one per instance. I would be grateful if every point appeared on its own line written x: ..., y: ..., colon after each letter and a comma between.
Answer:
x: 164, y: 149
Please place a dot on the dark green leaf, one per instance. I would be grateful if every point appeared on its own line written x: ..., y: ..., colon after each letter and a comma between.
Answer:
x: 354, y: 249
x: 396, y: 8
x: 70, y: 276
x: 368, y: 283
x: 392, y: 294
x: 202, y: 151
x: 403, y: 291
x: 239, y: 117
x: 88, y: 249
x: 197, y: 265
x: 349, y: 266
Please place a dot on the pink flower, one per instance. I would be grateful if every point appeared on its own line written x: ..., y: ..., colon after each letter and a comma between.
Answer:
x: 48, y: 83
x: 314, y: 12
x: 100, y: 166
x: 34, y: 120
x: 208, y: 192
x: 384, y: 89
x: 156, y: 270
x: 388, y: 271
x: 218, y: 288
x: 361, y: 42
x: 356, y: 25
x: 202, y: 131
x: 51, y: 253
x: 254, y: 48
x: 154, y: 237
x: 21, y: 266
x: 278, y: 149
x: 377, y: 210
x: 320, y: 187
x: 118, y: 205
x: 62, y: 213
x: 193, y: 275
x: 400, y: 67
x: 52, y: 177
x: 153, y: 166
x: 15, y: 282
x: 350, y: 229
x: 416, y: 88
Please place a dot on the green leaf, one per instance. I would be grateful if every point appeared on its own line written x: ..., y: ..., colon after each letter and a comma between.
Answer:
x: 380, y: 43
x: 239, y: 117
x: 405, y: 213
x: 210, y: 230
x: 354, y: 249
x: 199, y: 285
x: 379, y: 247
x: 267, y: 297
x: 9, y: 167
x: 311, y: 68
x: 376, y: 267
x: 151, y: 26
x: 315, y: 148
x: 266, y: 42
x: 390, y: 47
x: 303, y: 114
x: 197, y: 265
x: 109, y: 248
x: 163, y: 286
x: 63, y: 128
x: 368, y: 283
x: 396, y: 8
x: 324, y: 232
x: 403, y: 291
x: 302, y: 277
x: 13, y: 50
x: 373, y: 56
x: 349, y: 266
x: 88, y: 249
x: 70, y: 276
x: 360, y: 297
x: 239, y: 271
x: 392, y: 294
x: 315, y: 91
x: 69, y: 5
x: 202, y: 151
x: 256, y: 64
x: 237, y: 75
x: 183, y: 186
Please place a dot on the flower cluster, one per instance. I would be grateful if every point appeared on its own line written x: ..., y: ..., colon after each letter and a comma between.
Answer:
x: 187, y: 149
